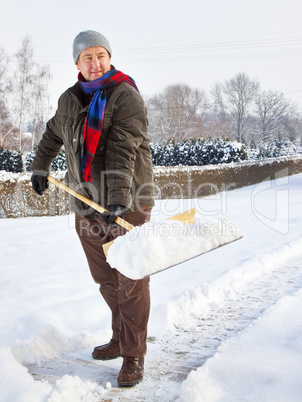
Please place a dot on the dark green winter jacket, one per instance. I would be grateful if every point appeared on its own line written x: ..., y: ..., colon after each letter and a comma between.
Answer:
x: 122, y: 168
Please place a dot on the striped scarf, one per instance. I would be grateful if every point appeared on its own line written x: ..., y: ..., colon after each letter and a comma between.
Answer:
x: 95, y: 116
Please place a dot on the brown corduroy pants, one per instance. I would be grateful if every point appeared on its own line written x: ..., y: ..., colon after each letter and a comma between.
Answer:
x: 129, y: 300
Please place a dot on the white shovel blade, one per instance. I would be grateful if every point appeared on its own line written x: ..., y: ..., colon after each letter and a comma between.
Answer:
x: 154, y: 247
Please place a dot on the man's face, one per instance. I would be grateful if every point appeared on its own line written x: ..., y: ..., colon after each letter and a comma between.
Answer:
x: 94, y: 62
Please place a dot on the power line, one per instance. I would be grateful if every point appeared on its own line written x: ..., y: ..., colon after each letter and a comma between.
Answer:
x: 293, y: 92
x: 296, y: 40
x: 224, y: 50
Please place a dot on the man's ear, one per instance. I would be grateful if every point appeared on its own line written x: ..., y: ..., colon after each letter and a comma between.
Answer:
x: 77, y: 64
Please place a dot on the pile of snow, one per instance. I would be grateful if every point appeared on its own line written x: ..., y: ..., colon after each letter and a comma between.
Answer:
x: 154, y: 247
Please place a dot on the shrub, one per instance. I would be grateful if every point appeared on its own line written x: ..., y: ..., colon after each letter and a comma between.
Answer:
x: 197, y: 152
x: 275, y: 149
x: 11, y: 161
x: 58, y: 164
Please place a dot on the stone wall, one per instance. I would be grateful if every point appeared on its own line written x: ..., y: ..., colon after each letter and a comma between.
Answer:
x: 195, y: 182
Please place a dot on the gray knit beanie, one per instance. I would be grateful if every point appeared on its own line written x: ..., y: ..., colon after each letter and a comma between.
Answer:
x: 87, y: 39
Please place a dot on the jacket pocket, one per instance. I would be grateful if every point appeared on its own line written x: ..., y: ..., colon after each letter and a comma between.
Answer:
x: 65, y: 121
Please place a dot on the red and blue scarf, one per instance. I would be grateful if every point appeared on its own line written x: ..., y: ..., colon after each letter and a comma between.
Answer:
x: 95, y: 116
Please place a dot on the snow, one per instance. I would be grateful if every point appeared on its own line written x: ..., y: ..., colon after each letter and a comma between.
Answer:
x: 268, y: 369
x: 160, y: 245
x: 50, y: 307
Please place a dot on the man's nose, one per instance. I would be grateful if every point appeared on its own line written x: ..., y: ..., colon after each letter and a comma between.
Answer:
x: 95, y: 62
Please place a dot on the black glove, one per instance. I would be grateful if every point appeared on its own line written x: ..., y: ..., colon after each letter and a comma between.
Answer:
x: 115, y: 211
x: 39, y: 182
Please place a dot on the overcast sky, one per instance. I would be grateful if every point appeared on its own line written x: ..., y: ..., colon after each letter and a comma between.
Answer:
x: 162, y: 42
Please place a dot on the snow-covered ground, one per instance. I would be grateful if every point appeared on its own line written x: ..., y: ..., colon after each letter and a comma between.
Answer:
x: 225, y: 326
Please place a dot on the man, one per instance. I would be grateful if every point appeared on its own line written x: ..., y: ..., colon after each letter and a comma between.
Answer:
x: 102, y: 123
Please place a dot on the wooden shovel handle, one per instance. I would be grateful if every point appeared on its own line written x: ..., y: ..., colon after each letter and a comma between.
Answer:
x: 126, y: 225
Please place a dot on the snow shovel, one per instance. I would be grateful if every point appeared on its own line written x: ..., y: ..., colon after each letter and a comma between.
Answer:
x: 154, y: 247
x: 126, y: 225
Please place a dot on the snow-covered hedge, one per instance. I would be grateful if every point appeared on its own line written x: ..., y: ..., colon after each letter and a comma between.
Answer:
x: 59, y: 163
x: 199, y: 152
x: 17, y: 198
x: 274, y: 149
x: 11, y: 161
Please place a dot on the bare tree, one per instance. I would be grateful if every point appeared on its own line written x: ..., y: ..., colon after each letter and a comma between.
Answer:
x: 40, y: 95
x: 176, y: 112
x: 30, y: 96
x: 24, y: 81
x: 233, y: 99
x: 215, y: 126
x: 5, y: 89
x: 273, y: 111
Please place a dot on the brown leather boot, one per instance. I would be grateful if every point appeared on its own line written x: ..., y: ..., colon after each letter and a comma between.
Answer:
x: 132, y: 371
x: 108, y: 351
